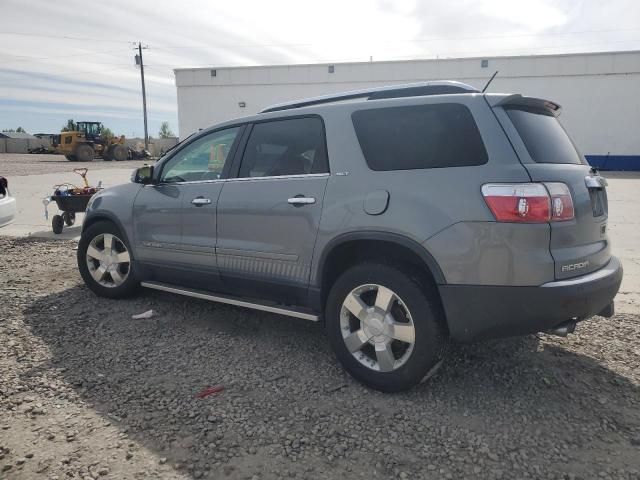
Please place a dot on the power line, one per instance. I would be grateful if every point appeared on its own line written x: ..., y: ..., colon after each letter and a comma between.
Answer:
x: 64, y: 37
x: 27, y: 58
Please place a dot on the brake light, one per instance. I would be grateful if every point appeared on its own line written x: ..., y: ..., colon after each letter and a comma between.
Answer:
x: 561, y: 202
x: 529, y: 202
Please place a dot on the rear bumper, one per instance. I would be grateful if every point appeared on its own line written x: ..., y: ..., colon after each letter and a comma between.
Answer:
x: 477, y: 312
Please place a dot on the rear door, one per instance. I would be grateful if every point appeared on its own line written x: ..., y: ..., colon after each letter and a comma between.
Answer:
x: 268, y: 216
x: 580, y: 245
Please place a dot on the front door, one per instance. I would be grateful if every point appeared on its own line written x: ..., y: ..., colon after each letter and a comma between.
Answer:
x: 268, y: 216
x: 175, y: 220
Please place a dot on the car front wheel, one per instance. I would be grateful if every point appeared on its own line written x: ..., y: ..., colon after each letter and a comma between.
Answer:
x: 104, y: 261
x: 385, y: 326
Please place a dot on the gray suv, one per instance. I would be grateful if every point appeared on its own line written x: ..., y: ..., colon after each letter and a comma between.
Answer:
x: 403, y: 217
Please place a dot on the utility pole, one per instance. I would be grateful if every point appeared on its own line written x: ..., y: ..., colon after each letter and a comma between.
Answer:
x: 144, y: 94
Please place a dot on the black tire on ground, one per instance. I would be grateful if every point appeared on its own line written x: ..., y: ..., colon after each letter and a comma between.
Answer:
x: 71, y: 158
x: 84, y: 153
x: 130, y: 285
x: 57, y: 224
x: 120, y: 152
x: 107, y: 154
x: 69, y: 218
x: 421, y: 300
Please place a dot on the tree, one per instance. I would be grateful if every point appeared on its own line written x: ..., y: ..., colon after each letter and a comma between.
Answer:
x: 21, y: 130
x: 70, y: 126
x: 8, y: 130
x: 106, y: 133
x: 165, y: 131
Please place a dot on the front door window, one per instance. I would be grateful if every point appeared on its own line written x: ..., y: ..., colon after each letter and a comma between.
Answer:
x: 201, y: 160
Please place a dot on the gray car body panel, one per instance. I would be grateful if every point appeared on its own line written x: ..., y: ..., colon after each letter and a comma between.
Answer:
x: 422, y: 199
x: 116, y: 205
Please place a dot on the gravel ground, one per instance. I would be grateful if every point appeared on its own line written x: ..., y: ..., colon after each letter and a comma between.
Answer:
x: 18, y: 164
x: 87, y: 392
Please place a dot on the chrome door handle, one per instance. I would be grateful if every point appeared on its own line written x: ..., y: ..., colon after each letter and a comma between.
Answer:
x: 200, y: 201
x: 298, y: 201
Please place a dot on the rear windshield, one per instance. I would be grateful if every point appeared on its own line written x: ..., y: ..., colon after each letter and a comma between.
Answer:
x: 419, y: 136
x: 544, y: 137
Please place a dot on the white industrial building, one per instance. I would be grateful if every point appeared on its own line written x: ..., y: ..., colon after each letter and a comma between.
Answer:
x: 599, y: 92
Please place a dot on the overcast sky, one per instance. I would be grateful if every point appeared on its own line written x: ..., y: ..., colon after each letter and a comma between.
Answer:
x: 75, y: 59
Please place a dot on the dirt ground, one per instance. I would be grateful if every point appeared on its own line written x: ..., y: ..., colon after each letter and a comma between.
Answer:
x: 16, y: 164
x: 88, y: 392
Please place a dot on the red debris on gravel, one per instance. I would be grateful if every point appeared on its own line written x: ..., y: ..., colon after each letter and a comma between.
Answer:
x: 210, y: 391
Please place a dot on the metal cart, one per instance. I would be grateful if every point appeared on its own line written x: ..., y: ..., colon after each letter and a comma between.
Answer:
x: 70, y: 200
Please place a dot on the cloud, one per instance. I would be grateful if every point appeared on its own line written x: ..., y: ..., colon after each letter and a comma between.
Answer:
x: 91, y: 70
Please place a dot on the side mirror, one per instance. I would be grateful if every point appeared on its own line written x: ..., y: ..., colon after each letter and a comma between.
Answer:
x: 143, y: 175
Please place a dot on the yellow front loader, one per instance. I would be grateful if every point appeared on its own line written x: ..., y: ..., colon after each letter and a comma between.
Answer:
x: 86, y: 142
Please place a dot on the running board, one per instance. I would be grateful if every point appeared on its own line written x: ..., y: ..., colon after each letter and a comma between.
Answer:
x: 290, y: 312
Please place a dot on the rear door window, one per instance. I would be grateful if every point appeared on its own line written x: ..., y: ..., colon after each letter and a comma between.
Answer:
x: 419, y: 136
x: 293, y: 146
x: 544, y: 137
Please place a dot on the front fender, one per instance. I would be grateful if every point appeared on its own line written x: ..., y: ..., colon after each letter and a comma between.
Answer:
x: 114, y: 204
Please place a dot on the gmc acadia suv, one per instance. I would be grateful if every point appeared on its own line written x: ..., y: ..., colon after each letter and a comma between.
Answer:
x: 405, y: 217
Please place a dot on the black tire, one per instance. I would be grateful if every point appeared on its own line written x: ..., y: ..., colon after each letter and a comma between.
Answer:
x: 57, y: 224
x: 130, y: 285
x: 84, y: 153
x: 71, y: 158
x: 69, y: 218
x: 107, y: 154
x: 421, y: 300
x: 120, y: 153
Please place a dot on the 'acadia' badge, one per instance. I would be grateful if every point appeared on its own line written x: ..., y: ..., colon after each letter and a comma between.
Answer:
x: 575, y: 266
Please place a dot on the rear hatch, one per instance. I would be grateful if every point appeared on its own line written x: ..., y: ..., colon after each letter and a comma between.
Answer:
x: 580, y: 245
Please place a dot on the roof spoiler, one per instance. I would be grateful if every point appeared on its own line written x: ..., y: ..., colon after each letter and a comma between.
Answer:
x: 520, y: 101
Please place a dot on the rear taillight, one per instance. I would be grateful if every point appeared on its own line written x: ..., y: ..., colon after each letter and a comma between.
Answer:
x: 561, y: 202
x: 529, y: 202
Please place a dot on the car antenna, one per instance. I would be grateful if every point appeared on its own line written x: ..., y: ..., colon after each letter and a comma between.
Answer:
x: 490, y: 80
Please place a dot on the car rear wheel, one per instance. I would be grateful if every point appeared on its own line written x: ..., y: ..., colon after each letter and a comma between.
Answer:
x: 385, y: 326
x: 104, y: 261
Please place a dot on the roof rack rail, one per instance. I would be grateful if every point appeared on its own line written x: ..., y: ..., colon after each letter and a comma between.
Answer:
x: 393, y: 91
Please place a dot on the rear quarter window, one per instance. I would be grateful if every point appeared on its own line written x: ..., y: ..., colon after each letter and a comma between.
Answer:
x: 543, y: 135
x: 419, y: 136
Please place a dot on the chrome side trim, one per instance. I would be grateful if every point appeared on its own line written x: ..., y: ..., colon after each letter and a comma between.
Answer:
x: 243, y: 179
x: 229, y: 301
x: 195, y: 182
x: 278, y: 177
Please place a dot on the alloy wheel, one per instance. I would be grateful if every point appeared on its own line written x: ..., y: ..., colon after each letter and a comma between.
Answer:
x: 377, y: 327
x: 108, y: 260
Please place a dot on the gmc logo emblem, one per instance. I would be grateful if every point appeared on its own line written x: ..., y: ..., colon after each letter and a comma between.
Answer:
x: 575, y: 266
